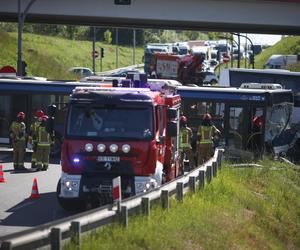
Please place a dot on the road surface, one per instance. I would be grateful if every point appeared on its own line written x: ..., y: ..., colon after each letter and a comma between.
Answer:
x: 17, y: 210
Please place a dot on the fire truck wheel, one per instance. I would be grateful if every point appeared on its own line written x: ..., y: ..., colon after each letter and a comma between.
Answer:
x: 68, y: 204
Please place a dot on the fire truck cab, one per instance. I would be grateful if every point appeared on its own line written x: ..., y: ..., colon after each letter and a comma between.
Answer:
x: 130, y: 130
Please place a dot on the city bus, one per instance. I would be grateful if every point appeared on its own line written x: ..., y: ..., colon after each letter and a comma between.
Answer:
x: 29, y: 95
x: 234, y: 77
x: 235, y: 112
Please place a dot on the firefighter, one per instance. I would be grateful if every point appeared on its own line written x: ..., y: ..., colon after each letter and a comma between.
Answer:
x: 33, y: 135
x: 17, y: 136
x: 206, y: 133
x: 185, y: 142
x: 43, y: 145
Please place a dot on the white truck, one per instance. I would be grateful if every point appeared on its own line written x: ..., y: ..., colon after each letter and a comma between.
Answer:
x: 281, y: 61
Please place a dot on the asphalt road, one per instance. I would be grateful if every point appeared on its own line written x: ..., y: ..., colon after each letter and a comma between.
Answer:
x: 17, y: 210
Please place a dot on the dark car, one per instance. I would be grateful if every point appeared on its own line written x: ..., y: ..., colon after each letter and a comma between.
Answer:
x: 124, y: 72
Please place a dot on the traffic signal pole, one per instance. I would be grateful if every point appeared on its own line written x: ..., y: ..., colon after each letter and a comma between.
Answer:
x: 21, y: 21
x: 93, y: 53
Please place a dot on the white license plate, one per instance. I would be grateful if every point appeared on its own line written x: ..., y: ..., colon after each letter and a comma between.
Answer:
x: 108, y: 158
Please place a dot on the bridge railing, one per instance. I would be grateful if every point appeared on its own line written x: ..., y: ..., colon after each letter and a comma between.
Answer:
x: 56, y: 233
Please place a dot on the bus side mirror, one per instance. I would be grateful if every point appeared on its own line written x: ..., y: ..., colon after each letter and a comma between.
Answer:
x: 172, y: 129
x: 171, y: 113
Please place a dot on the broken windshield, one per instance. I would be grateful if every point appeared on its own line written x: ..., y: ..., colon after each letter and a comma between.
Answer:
x: 111, y: 122
x: 278, y: 120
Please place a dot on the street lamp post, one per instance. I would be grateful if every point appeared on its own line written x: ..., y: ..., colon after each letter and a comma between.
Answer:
x: 21, y: 20
x: 237, y: 34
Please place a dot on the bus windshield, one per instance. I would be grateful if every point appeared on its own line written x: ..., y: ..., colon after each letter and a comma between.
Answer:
x: 110, y: 122
x: 278, y: 119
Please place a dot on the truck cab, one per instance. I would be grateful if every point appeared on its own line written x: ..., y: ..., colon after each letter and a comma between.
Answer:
x: 119, y: 131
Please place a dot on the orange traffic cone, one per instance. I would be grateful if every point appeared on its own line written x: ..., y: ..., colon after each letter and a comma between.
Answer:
x: 1, y: 174
x: 35, y: 191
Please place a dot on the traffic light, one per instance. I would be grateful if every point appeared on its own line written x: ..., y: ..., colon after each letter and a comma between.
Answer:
x: 24, y: 65
x: 102, y: 52
x: 122, y: 2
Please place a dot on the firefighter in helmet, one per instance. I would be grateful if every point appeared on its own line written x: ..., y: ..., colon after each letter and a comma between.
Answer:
x: 185, y: 137
x: 43, y: 140
x: 32, y: 138
x: 17, y: 135
x: 206, y: 132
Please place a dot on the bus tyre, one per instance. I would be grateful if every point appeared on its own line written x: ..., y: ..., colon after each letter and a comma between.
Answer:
x: 68, y: 204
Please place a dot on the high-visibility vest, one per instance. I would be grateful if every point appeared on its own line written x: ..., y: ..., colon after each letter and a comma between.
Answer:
x: 34, y: 129
x: 206, y: 133
x: 43, y: 138
x: 18, y: 130
x: 185, y: 138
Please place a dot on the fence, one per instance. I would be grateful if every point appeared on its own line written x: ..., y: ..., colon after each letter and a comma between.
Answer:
x: 70, y: 228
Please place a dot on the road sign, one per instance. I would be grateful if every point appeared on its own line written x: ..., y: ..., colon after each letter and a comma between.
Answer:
x: 95, y: 54
x: 226, y: 58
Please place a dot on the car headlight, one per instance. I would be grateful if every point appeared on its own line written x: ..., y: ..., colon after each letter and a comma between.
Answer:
x: 88, y: 147
x: 126, y: 148
x: 113, y: 148
x: 101, y: 148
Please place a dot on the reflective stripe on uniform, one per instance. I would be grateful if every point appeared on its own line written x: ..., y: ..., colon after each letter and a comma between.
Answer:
x: 206, y: 133
x: 184, y: 138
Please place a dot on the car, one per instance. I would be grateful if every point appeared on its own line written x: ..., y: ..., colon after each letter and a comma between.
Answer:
x: 80, y: 71
x: 124, y: 72
x: 209, y: 77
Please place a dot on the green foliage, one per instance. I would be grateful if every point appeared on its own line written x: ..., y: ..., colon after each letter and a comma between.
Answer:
x: 243, y: 208
x: 51, y: 57
x: 107, y: 37
x: 286, y: 46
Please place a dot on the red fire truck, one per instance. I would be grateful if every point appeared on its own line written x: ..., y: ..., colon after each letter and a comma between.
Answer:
x: 118, y: 131
x: 185, y: 68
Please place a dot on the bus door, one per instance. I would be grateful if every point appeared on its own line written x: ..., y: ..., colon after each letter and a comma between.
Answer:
x: 236, y: 126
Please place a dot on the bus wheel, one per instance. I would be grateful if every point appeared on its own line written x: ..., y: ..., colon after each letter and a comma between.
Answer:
x: 56, y: 146
x: 68, y: 204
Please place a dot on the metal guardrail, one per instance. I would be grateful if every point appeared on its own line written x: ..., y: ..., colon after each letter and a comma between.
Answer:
x: 70, y: 228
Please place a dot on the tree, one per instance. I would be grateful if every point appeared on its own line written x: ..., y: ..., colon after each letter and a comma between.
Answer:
x: 107, y: 37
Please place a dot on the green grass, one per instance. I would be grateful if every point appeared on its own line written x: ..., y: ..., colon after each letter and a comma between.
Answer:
x: 253, y: 208
x: 51, y: 57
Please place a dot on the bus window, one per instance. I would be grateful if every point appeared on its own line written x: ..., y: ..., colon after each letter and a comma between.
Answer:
x: 236, y: 117
x: 5, y: 117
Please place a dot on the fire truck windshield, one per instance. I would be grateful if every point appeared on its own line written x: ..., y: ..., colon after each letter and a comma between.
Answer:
x: 110, y: 122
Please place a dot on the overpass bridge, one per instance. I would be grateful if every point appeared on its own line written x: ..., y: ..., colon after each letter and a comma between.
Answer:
x: 249, y: 16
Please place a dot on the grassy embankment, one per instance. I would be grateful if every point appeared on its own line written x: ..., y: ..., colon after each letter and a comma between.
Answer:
x: 286, y: 46
x: 243, y: 208
x: 51, y: 57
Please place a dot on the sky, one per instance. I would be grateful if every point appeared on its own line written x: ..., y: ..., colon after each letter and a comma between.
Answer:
x: 262, y: 39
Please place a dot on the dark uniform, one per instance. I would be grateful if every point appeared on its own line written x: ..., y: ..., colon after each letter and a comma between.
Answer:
x: 43, y: 145
x: 17, y: 135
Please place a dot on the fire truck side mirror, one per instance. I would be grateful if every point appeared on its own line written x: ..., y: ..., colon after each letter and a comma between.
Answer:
x: 171, y: 113
x: 172, y: 129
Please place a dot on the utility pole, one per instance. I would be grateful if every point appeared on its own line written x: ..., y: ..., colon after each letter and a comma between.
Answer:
x: 93, y: 53
x: 117, y: 48
x: 133, y: 51
x: 21, y: 21
x: 239, y: 50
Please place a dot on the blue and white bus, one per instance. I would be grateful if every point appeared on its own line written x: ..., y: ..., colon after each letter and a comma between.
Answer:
x: 234, y: 110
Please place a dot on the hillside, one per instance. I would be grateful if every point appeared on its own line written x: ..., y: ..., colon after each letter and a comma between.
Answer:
x: 51, y: 57
x: 243, y: 208
x: 286, y: 46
